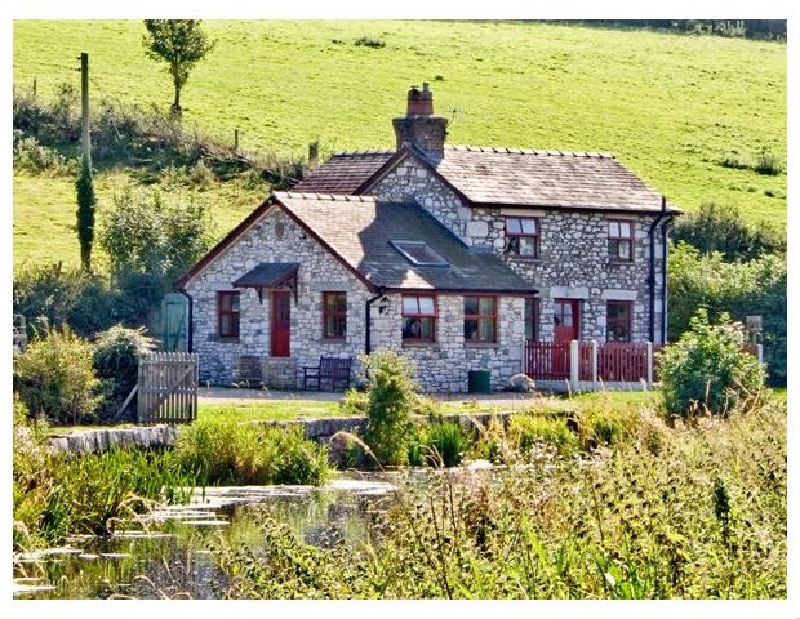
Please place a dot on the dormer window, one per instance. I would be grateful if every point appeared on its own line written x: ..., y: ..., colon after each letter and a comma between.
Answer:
x: 419, y: 254
x: 522, y: 237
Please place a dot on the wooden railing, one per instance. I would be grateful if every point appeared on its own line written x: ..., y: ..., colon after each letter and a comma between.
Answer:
x: 547, y: 360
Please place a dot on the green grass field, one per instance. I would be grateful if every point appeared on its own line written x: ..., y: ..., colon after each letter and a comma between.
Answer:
x: 669, y: 106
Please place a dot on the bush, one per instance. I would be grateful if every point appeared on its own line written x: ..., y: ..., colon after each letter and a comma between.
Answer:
x: 370, y: 42
x: 116, y: 359
x: 735, y: 160
x: 55, y: 378
x: 527, y: 431
x: 602, y: 424
x: 754, y: 288
x: 767, y: 163
x: 719, y: 227
x: 391, y: 395
x: 706, y: 370
x: 224, y: 452
x: 32, y: 157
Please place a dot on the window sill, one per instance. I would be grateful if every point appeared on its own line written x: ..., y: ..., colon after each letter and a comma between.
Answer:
x: 333, y: 340
x: 226, y: 340
x: 468, y: 344
x: 527, y: 259
x: 620, y: 262
x: 431, y: 345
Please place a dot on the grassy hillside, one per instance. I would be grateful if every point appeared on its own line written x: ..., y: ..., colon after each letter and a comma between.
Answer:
x: 669, y: 106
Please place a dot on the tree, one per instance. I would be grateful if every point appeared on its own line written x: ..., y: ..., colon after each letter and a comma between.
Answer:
x: 181, y: 43
x: 151, y: 242
x: 84, y: 189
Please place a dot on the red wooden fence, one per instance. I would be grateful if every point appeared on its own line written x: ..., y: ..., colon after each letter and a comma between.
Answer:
x: 584, y: 361
x: 621, y: 362
x: 547, y: 360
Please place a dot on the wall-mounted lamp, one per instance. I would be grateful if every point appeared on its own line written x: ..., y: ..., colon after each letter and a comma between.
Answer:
x: 383, y: 305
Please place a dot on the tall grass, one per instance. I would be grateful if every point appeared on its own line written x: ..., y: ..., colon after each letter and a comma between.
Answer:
x: 703, y: 519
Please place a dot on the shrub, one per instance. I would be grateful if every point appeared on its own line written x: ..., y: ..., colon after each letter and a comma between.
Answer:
x: 34, y: 158
x: 719, y: 227
x: 116, y: 358
x: 370, y: 42
x: 528, y: 431
x: 391, y: 394
x: 767, y: 163
x: 226, y: 452
x: 707, y: 369
x: 84, y: 301
x: 55, y: 378
x: 201, y: 176
x: 735, y: 160
x: 445, y: 443
x: 754, y: 288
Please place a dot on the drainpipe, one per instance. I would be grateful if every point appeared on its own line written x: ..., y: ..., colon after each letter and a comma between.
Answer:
x: 189, y: 321
x: 367, y: 305
x: 651, y: 281
x: 664, y: 232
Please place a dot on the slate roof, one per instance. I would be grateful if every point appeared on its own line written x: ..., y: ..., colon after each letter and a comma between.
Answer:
x: 555, y: 179
x: 343, y: 172
x: 362, y: 241
x: 267, y: 274
x: 506, y: 177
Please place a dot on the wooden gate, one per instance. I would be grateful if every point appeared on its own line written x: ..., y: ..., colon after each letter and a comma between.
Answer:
x: 168, y: 387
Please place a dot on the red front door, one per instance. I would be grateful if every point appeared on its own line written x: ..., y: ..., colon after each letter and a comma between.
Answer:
x: 280, y: 323
x: 567, y: 320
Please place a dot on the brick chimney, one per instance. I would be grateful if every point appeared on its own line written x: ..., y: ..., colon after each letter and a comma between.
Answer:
x: 419, y: 126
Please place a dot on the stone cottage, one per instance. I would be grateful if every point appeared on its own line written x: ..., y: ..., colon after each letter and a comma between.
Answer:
x: 453, y: 255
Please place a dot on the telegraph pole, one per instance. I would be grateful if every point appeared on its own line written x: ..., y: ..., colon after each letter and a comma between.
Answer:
x: 85, y: 106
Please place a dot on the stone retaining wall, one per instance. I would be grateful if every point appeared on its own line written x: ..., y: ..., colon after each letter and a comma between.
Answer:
x: 164, y: 436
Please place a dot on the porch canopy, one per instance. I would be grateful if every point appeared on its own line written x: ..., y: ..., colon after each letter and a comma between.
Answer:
x: 270, y: 276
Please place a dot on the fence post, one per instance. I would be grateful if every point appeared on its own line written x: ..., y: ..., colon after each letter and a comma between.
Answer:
x: 574, y: 364
x: 594, y: 364
x: 760, y: 353
x: 649, y: 365
x: 524, y: 357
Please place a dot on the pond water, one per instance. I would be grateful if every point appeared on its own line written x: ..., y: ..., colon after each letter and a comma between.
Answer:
x: 165, y: 555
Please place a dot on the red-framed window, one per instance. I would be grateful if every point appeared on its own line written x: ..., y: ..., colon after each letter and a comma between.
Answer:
x: 334, y: 315
x: 522, y: 237
x: 228, y: 314
x: 619, y: 321
x: 532, y: 308
x: 480, y: 319
x: 620, y: 240
x: 419, y: 318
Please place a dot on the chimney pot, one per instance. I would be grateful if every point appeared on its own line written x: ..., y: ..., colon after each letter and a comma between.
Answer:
x: 425, y: 87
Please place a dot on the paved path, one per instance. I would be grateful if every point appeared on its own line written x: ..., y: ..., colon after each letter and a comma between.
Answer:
x: 232, y: 395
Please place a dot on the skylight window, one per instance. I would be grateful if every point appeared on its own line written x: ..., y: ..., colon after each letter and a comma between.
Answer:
x: 418, y: 253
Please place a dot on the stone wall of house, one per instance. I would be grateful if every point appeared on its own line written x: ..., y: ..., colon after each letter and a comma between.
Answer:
x: 411, y: 180
x: 573, y: 259
x: 443, y: 365
x: 273, y: 238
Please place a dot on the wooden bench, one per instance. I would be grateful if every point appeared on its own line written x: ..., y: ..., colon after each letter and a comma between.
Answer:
x: 334, y: 369
x: 248, y: 371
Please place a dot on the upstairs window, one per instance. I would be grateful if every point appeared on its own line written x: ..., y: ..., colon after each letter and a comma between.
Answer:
x: 620, y: 241
x: 619, y: 318
x: 228, y: 314
x: 522, y: 237
x: 419, y: 319
x: 480, y: 319
x: 334, y: 315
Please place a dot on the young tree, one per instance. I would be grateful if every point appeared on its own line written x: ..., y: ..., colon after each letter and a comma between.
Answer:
x: 84, y: 189
x: 181, y: 43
